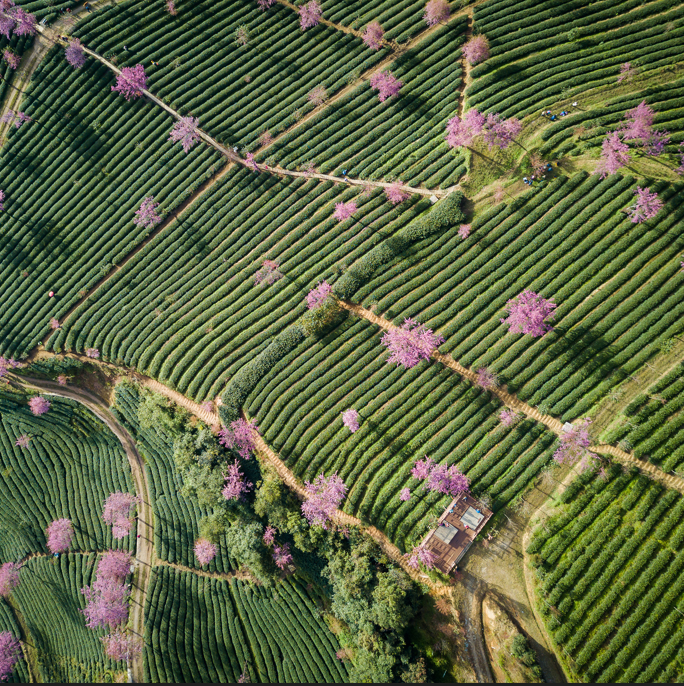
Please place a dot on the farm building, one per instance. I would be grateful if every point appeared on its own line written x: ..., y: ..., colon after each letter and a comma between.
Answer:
x: 461, y: 522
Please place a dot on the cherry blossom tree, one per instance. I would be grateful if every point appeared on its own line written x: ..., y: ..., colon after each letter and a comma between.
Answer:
x: 500, y: 132
x: 15, y: 118
x: 421, y: 468
x: 251, y: 162
x: 344, y: 210
x: 447, y: 480
x: 11, y: 58
x: 7, y: 25
x: 317, y: 296
x: 574, y: 444
x: 54, y: 323
x: 265, y: 138
x: 242, y: 36
x: 462, y: 132
x: 317, y: 96
x: 74, y: 54
x: 405, y: 494
x: 39, y: 405
x: 59, y: 535
x: 436, y: 11
x: 527, y: 314
x: 638, y: 123
x: 269, y: 273
x: 508, y: 418
x: 486, y: 378
x: 264, y: 4
x: 121, y: 645
x: 184, y: 131
x: 627, y: 72
x: 2, y: 200
x: 115, y: 564
x: 23, y: 441
x: 106, y: 603
x: 476, y: 50
x: 614, y: 155
x: 646, y: 207
x: 9, y: 578
x: 25, y: 22
x: 538, y: 164
x: 171, y: 7
x: 679, y: 170
x: 323, y: 497
x: 205, y: 551
x: 269, y: 536
x: 421, y: 555
x: 282, y: 556
x: 410, y: 343
x: 146, y: 215
x: 117, y: 512
x: 386, y: 83
x: 93, y: 353
x: 10, y: 652
x: 373, y: 35
x: 464, y: 231
x: 309, y: 15
x: 241, y: 436
x: 350, y: 418
x: 131, y: 82
x: 395, y: 194
x: 62, y: 380
x: 235, y: 485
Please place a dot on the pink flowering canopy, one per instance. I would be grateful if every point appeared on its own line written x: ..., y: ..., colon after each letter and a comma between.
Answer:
x: 309, y: 15
x: 2, y: 200
x: 171, y: 7
x: 184, y: 131
x: 350, y: 418
x: 464, y: 231
x: 436, y: 11
x: 421, y: 555
x: 251, y: 162
x: 679, y: 170
x: 647, y: 206
x: 15, y: 118
x: 508, y: 418
x: 235, y: 485
x: 476, y: 50
x: 146, y: 215
x: 574, y: 444
x: 269, y: 536
x: 395, y: 194
x: 39, y: 405
x: 344, y: 210
x: 9, y: 578
x: 500, y: 132
x: 115, y: 564
x: 59, y: 535
x: 268, y: 274
x: 421, y: 468
x: 10, y: 652
x: 205, y: 551
x: 317, y: 96
x: 282, y: 556
x: 486, y: 378
x: 92, y: 353
x: 410, y: 343
x: 240, y: 436
x: 323, y: 497
x: 131, y: 82
x: 638, y: 122
x: 527, y: 314
x: 462, y: 132
x: 447, y: 480
x: 405, y: 494
x: 11, y: 58
x: 373, y: 35
x: 121, y: 645
x: 264, y: 4
x: 54, y: 323
x: 23, y: 441
x: 74, y: 54
x: 627, y: 72
x: 386, y: 83
x: 614, y: 155
x: 317, y: 296
x: 106, y: 603
x: 117, y: 512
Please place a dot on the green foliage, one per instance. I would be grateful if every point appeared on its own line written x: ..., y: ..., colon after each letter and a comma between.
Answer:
x: 321, y: 320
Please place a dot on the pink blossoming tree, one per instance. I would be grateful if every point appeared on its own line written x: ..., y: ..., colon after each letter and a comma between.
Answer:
x: 264, y: 4
x: 410, y: 343
x: 268, y: 274
x: 10, y: 652
x: 146, y: 215
x: 121, y: 645
x: 2, y: 200
x: 508, y: 418
x: 646, y: 207
x: 447, y: 480
x: 317, y: 296
x: 93, y: 353
x: 344, y: 210
x: 386, y: 83
x: 574, y: 445
x: 241, y: 436
x: 131, y: 82
x: 421, y: 555
x: 184, y: 131
x: 106, y: 603
x: 269, y: 536
x: 323, y: 497
x: 317, y: 96
x: 235, y: 485
x: 39, y: 405
x: 500, y: 132
x: 250, y: 161
x: 436, y: 11
x: 74, y: 54
x: 205, y: 551
x: 405, y: 494
x: 59, y: 535
x: 282, y: 556
x: 9, y: 578
x: 350, y: 418
x: 527, y: 314
x: 638, y: 122
x: 395, y: 194
x: 171, y: 7
x: 462, y: 132
x: 486, y: 378
x: 118, y: 512
x: 54, y: 323
x: 15, y: 118
x: 614, y: 155
x: 115, y: 564
x: 476, y: 50
x: 373, y: 35
x: 464, y: 231
x: 422, y: 468
x: 309, y: 15
x: 23, y: 441
x: 11, y: 58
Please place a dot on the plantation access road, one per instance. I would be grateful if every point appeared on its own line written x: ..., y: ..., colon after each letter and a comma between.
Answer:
x: 514, y: 403
x: 144, y: 553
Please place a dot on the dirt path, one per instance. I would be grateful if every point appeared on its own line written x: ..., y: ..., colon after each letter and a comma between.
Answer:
x: 202, y: 572
x: 144, y: 553
x: 472, y: 621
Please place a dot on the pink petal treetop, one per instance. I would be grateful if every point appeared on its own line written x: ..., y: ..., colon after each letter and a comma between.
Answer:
x: 235, y: 485
x: 115, y: 564
x: 282, y: 556
x: 39, y: 405
x: 240, y: 436
x: 184, y: 131
x: 310, y: 15
x: 386, y: 83
x: 486, y: 378
x: 476, y: 50
x: 131, y: 82
x: 317, y: 296
x: 410, y: 343
x: 344, y: 210
x: 421, y: 555
x: 59, y: 535
x: 9, y: 578
x: 122, y: 645
x: 500, y: 132
x: 74, y: 54
x: 205, y: 551
x: 462, y: 132
x: 106, y: 603
x: 436, y: 11
x: 373, y: 35
x: 350, y: 418
x: 323, y: 497
x: 614, y: 155
x: 395, y: 194
x: 10, y: 652
x: 527, y: 314
x: 574, y: 444
x: 268, y: 274
x: 647, y: 206
x: 118, y: 512
x: 405, y: 494
x: 146, y: 215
